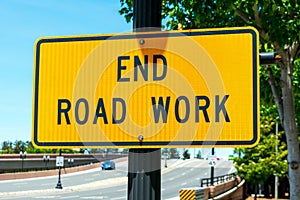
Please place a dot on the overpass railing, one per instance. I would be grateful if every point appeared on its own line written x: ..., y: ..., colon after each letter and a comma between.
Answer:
x: 205, y: 182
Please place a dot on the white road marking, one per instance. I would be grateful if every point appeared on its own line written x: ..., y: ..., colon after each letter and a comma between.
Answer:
x: 174, y: 198
x: 92, y: 197
x: 89, y: 179
x: 117, y: 198
x: 45, y: 197
x: 70, y: 197
x: 94, y: 175
x: 24, y: 183
x: 45, y: 184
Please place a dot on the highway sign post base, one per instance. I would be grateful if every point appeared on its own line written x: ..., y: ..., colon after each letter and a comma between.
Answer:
x: 144, y: 174
x: 59, y: 185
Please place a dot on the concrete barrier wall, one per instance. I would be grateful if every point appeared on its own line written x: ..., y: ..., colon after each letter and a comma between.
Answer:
x: 13, y: 163
x: 219, y: 189
x: 53, y: 172
x: 223, y: 187
x: 236, y: 195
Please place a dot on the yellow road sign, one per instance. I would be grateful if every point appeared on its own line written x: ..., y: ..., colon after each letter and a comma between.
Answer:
x: 187, y: 88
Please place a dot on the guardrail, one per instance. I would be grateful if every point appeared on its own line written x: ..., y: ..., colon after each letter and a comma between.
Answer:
x: 206, y: 182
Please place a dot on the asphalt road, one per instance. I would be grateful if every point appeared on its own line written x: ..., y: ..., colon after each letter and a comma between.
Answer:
x: 97, y: 184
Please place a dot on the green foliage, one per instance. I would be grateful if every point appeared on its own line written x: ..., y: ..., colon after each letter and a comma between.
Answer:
x: 174, y: 153
x: 199, y: 14
x: 164, y: 151
x: 125, y: 151
x: 171, y: 152
x: 277, y: 20
x: 7, y: 147
x: 186, y: 154
x: 126, y: 9
x: 199, y: 155
x: 18, y: 146
x: 260, y: 162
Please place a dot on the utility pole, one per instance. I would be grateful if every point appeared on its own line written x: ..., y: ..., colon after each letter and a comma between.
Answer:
x: 144, y: 165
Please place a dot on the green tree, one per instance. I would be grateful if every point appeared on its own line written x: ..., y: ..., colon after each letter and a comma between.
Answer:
x: 30, y: 148
x: 199, y: 155
x: 256, y: 165
x: 174, y: 153
x: 125, y: 151
x: 186, y: 154
x: 19, y: 146
x: 171, y: 152
x: 7, y: 147
x: 278, y: 23
x: 165, y: 151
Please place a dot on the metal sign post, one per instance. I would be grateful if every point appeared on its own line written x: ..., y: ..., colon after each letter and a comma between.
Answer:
x: 144, y: 165
x: 144, y: 174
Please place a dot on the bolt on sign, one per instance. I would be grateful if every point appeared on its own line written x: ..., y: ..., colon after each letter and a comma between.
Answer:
x: 152, y: 89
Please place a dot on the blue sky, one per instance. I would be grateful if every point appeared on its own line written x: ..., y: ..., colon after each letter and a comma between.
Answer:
x: 24, y: 21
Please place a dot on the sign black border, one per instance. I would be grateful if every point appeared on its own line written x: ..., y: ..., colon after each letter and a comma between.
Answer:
x: 159, y: 143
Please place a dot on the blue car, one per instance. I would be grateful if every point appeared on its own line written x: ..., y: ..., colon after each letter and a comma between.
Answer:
x: 108, y: 164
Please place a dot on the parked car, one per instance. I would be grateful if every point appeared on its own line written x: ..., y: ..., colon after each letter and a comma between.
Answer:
x: 108, y: 164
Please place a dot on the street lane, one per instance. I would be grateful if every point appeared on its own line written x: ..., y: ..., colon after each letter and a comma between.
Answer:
x: 97, y: 184
x: 189, y: 175
x: 67, y: 180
